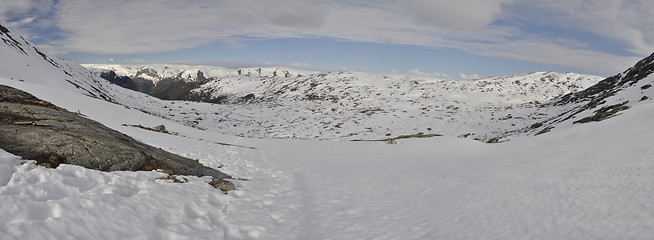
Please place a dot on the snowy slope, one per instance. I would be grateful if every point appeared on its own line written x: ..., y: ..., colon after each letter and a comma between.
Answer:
x: 604, y: 100
x: 22, y: 61
x: 71, y: 201
x: 441, y: 188
x: 355, y: 105
x: 591, y: 181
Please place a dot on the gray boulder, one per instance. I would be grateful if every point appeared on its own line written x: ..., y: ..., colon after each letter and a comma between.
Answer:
x: 35, y: 129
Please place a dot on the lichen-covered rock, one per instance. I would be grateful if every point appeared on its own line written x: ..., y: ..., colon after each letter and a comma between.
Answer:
x: 160, y: 128
x: 35, y: 129
x: 223, y: 185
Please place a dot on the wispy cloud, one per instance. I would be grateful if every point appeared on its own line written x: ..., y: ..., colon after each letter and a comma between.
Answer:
x: 482, y: 27
x: 18, y: 11
x: 420, y: 73
x: 626, y: 21
x: 26, y: 15
x: 457, y: 14
x: 300, y: 64
x: 546, y: 52
x: 466, y: 76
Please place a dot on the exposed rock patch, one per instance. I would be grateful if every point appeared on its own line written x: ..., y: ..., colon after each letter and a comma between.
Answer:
x: 159, y: 128
x: 394, y: 140
x: 223, y: 185
x: 494, y: 140
x: 604, y: 113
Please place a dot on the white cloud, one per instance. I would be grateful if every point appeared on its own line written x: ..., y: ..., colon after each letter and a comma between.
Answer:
x: 420, y: 73
x: 27, y: 20
x: 21, y: 9
x: 465, y: 76
x: 292, y: 13
x: 457, y: 14
x: 136, y: 60
x: 148, y: 26
x: 302, y: 64
x: 627, y: 21
x: 545, y: 52
x: 183, y: 61
x: 22, y: 16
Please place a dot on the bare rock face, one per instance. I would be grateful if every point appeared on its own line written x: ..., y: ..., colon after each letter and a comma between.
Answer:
x: 35, y: 129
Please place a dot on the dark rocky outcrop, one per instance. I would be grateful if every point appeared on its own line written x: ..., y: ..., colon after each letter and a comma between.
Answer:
x: 610, y: 86
x: 180, y: 87
x: 167, y: 88
x: 174, y: 89
x: 10, y: 41
x: 35, y: 129
x: 122, y: 81
x: 604, y: 113
x: 394, y: 139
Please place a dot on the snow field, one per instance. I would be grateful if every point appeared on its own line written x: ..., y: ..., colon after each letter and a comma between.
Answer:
x: 200, y: 211
x: 588, y: 182
x: 71, y: 202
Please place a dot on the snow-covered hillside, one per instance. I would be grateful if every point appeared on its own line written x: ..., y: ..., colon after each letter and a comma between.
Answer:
x: 589, y: 181
x: 604, y: 100
x: 22, y: 61
x: 535, y: 188
x: 355, y: 105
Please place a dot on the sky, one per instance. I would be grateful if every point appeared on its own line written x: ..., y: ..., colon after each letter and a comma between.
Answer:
x: 460, y: 39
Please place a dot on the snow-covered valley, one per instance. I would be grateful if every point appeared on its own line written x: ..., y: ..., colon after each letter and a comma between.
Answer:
x: 355, y: 105
x: 579, y: 181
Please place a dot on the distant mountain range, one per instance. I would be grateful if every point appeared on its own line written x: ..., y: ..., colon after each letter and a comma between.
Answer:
x: 221, y: 85
x: 352, y: 105
x: 341, y: 105
x: 182, y: 82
